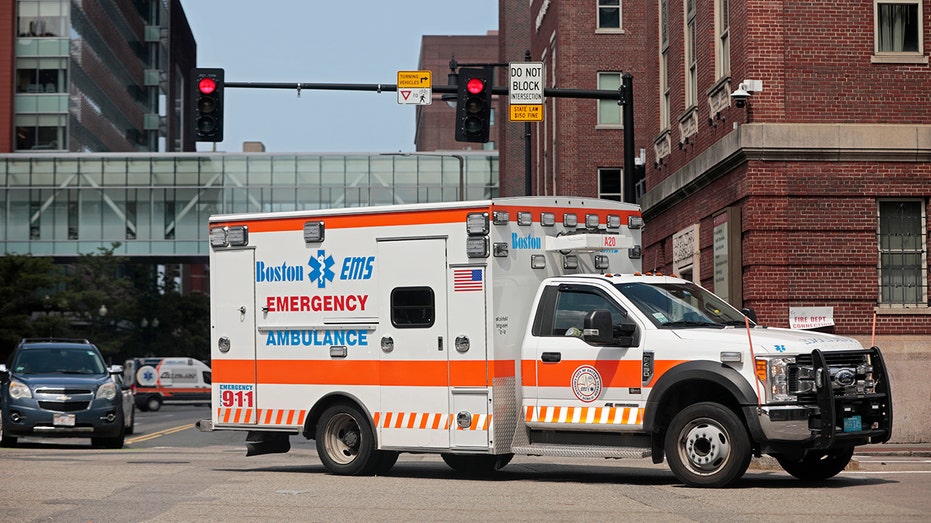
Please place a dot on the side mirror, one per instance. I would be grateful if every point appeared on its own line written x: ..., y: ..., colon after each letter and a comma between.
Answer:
x: 750, y: 313
x: 598, y: 328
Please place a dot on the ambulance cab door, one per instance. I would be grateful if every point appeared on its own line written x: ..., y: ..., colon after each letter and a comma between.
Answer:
x: 413, y: 344
x: 583, y: 385
x: 232, y: 318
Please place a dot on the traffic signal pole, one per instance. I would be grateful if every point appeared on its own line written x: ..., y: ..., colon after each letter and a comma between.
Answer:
x: 624, y: 96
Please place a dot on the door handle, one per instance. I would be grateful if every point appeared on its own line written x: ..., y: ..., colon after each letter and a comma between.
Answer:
x: 551, y: 357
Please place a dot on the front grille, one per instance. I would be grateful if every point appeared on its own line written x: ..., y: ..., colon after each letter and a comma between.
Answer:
x: 64, y: 406
x: 60, y: 390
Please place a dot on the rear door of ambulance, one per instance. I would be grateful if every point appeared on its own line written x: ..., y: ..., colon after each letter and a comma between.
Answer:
x: 232, y: 325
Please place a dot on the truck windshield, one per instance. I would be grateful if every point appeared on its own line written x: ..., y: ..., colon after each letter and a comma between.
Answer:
x: 680, y: 305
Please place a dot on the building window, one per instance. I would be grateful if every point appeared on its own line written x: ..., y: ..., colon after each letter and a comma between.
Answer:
x: 691, y: 60
x: 664, y: 93
x: 42, y: 18
x: 610, y: 184
x: 723, y: 44
x: 898, y: 31
x: 902, y: 259
x: 41, y: 75
x: 609, y: 14
x: 40, y: 132
x: 609, y: 112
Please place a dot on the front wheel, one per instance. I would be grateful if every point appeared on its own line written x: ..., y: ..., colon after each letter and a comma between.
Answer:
x: 346, y: 442
x: 6, y: 440
x: 707, y: 446
x: 817, y: 466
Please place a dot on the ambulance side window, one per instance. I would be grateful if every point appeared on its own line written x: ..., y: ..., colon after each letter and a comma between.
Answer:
x: 413, y: 307
x: 572, y: 306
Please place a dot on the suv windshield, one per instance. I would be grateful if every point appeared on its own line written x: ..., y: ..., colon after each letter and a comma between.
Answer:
x: 677, y: 305
x: 58, y: 360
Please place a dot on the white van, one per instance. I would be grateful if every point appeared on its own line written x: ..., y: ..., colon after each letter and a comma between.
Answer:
x: 168, y: 380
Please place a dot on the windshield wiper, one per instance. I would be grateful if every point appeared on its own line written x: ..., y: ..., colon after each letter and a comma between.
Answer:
x: 738, y: 323
x: 679, y: 324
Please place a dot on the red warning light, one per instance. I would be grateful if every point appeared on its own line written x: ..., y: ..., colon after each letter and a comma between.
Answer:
x: 475, y: 85
x: 207, y: 85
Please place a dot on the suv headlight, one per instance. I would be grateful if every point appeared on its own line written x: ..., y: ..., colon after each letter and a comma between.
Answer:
x: 107, y: 391
x: 19, y: 390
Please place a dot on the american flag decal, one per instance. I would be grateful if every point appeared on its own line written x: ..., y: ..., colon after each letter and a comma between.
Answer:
x: 467, y: 280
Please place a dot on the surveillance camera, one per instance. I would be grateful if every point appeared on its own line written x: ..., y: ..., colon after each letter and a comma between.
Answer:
x: 740, y: 97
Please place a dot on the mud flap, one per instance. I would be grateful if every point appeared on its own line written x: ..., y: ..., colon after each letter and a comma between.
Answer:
x: 263, y: 442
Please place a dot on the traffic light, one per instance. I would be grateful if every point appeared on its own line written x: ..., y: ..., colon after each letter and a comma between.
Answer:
x: 208, y: 105
x: 473, y: 105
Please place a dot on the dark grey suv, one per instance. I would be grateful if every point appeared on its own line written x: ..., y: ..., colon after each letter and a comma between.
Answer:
x: 60, y: 388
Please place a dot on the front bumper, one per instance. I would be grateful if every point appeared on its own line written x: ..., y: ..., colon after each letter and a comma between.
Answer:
x: 832, y: 418
x: 25, y: 418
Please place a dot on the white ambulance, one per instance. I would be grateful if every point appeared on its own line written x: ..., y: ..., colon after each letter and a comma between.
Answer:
x: 480, y: 330
x: 171, y: 380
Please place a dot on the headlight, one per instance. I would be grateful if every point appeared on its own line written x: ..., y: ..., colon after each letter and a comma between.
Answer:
x: 19, y: 390
x: 774, y: 373
x: 107, y: 391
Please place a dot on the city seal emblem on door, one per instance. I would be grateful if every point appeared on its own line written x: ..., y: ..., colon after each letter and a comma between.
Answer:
x: 586, y: 383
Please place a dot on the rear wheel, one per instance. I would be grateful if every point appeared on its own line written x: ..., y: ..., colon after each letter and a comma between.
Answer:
x: 817, y: 466
x: 153, y: 402
x: 476, y: 464
x: 132, y: 421
x: 707, y: 446
x: 346, y: 443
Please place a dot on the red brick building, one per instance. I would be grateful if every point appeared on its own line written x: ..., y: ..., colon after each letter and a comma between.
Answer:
x: 788, y: 152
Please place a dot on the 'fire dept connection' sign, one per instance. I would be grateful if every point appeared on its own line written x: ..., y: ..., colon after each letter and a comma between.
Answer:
x: 525, y: 91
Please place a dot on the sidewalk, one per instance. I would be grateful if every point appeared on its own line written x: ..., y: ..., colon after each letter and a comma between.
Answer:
x: 895, y: 449
x: 914, y: 450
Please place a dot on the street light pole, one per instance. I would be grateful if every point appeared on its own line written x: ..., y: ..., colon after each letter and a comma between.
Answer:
x: 442, y: 155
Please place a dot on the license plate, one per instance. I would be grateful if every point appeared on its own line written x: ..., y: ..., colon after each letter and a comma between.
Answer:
x: 63, y: 420
x: 853, y: 424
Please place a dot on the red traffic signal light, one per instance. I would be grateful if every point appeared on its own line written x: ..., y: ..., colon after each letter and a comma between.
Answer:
x: 208, y: 105
x: 207, y: 85
x: 473, y: 105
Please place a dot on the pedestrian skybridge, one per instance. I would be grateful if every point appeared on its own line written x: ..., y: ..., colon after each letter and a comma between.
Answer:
x: 157, y: 205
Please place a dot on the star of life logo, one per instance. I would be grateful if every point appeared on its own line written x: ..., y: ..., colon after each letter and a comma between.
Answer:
x: 321, y: 268
x: 586, y: 383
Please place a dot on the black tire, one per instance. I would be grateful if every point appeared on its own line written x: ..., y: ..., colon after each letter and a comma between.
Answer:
x: 153, y: 403
x: 817, y: 466
x: 476, y: 464
x: 346, y: 442
x: 385, y: 461
x: 132, y: 421
x: 707, y: 446
x: 6, y: 441
x: 115, y: 442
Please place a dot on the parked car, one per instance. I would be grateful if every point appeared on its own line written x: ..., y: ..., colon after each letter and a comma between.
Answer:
x: 61, y: 387
x: 129, y: 400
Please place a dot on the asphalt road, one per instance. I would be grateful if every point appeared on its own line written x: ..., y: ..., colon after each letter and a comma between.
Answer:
x: 171, y: 472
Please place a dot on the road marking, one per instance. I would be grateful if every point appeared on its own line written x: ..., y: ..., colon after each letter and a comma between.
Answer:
x: 160, y: 433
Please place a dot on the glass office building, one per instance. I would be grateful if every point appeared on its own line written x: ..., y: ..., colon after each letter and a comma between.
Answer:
x: 157, y: 206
